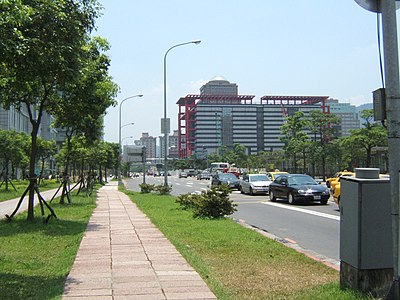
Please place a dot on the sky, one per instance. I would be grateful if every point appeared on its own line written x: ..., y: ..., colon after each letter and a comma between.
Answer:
x: 267, y: 47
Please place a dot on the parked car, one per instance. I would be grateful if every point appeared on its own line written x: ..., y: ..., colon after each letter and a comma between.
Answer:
x: 298, y: 187
x: 183, y: 174
x: 273, y: 175
x: 204, y: 175
x: 255, y: 184
x: 226, y: 178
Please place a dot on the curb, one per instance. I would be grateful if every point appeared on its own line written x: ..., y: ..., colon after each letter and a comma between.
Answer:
x: 332, y: 263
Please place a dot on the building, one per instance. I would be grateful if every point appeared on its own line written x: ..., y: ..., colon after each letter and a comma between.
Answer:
x: 210, y: 120
x: 150, y: 143
x: 219, y: 86
x: 172, y: 145
x: 348, y: 115
x: 18, y: 120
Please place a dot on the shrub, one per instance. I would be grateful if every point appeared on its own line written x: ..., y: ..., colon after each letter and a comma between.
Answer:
x: 211, y: 204
x: 163, y: 189
x: 189, y: 201
x: 146, y: 188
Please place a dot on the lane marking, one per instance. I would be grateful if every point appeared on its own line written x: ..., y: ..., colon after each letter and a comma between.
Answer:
x: 306, y: 211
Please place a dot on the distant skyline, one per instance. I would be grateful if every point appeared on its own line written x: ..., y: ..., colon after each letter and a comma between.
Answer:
x: 324, y: 48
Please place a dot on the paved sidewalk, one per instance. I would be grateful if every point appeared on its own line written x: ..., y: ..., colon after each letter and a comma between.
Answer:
x: 7, y: 207
x: 124, y: 256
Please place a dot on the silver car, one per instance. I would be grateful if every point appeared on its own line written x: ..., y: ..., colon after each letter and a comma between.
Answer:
x: 255, y: 184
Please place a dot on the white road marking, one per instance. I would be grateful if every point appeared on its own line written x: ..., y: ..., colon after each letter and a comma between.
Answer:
x: 306, y: 211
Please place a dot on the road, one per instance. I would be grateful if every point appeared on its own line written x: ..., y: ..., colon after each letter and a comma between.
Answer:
x: 312, y: 227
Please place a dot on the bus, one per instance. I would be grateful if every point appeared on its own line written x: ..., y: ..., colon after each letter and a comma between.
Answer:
x: 219, y: 167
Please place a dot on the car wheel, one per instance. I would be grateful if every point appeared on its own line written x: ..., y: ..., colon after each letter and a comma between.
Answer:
x: 272, y: 196
x: 251, y: 191
x: 291, y: 199
x: 324, y: 202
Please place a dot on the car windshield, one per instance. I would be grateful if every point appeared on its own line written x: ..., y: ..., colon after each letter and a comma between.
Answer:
x: 301, y: 180
x: 227, y: 176
x: 260, y: 177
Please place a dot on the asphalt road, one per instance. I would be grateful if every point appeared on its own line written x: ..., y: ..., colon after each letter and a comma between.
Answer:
x: 312, y: 227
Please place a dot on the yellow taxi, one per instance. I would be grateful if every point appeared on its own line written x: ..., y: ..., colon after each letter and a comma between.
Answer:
x: 336, y: 177
x: 336, y: 190
x: 273, y: 175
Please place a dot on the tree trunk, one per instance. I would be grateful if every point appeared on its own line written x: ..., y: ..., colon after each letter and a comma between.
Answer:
x: 7, y: 171
x: 32, y: 175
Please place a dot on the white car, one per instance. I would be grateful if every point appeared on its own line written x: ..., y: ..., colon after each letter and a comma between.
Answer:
x: 255, y: 184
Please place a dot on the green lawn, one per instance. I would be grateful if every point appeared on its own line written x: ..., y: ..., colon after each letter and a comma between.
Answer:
x: 35, y: 258
x: 239, y: 263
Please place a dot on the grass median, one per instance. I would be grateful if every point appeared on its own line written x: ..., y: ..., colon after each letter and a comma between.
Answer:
x: 35, y: 258
x: 239, y: 263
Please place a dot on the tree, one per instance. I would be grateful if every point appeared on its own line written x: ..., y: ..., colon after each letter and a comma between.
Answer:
x: 40, y: 53
x: 322, y: 126
x: 45, y: 149
x: 12, y: 150
x: 84, y: 101
x: 366, y: 138
x: 294, y: 136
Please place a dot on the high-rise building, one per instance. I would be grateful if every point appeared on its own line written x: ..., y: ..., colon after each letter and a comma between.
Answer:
x: 149, y: 142
x: 219, y: 86
x: 347, y: 114
x: 211, y: 120
x: 172, y: 147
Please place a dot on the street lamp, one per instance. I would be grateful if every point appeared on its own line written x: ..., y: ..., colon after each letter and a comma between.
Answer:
x: 119, y: 136
x: 127, y: 125
x: 165, y: 108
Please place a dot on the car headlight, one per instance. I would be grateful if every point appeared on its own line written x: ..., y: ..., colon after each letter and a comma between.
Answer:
x: 301, y: 192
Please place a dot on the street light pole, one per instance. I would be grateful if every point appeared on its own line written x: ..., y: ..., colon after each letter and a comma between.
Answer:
x: 392, y: 94
x: 119, y: 137
x: 165, y: 109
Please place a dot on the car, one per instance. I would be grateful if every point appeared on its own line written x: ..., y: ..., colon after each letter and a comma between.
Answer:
x: 255, y: 184
x: 226, y: 178
x: 273, y: 175
x: 183, y: 174
x: 204, y: 175
x: 298, y: 187
x: 336, y: 176
x: 191, y: 173
x: 335, y: 181
x: 336, y: 191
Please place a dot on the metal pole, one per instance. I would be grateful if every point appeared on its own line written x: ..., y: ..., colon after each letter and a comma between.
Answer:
x: 119, y: 138
x: 388, y: 9
x: 165, y: 110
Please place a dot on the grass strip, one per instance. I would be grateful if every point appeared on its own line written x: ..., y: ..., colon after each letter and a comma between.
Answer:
x: 239, y: 263
x: 35, y: 258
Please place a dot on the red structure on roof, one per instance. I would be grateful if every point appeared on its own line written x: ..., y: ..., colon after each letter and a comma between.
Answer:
x: 186, y: 116
x: 296, y: 100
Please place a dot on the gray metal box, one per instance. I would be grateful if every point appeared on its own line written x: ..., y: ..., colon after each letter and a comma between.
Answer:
x: 365, y: 223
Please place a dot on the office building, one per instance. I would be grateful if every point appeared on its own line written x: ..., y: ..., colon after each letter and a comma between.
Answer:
x: 348, y: 115
x: 211, y: 120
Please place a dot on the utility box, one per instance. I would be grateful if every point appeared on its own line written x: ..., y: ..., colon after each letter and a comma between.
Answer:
x: 366, y: 233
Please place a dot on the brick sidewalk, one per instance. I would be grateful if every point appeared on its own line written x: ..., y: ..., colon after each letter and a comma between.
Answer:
x: 124, y: 256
